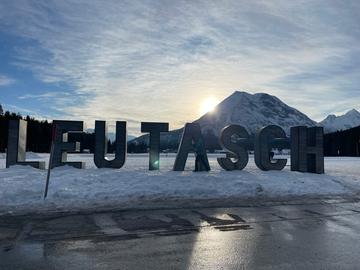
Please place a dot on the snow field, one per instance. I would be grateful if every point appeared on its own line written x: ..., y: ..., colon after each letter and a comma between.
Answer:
x: 133, y: 186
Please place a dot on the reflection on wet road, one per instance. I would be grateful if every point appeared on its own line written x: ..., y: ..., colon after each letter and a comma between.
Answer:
x: 322, y: 235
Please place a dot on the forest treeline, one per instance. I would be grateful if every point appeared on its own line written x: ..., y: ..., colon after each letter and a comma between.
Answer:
x: 340, y: 143
x: 39, y: 134
x: 343, y: 143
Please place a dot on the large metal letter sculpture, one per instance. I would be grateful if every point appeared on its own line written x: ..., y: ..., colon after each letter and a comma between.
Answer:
x: 101, y: 143
x: 307, y: 150
x: 190, y: 137
x: 16, y: 148
x: 62, y: 146
x: 236, y: 149
x: 154, y: 142
x: 266, y: 139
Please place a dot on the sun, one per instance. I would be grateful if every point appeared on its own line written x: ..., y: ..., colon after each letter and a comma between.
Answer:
x: 208, y: 105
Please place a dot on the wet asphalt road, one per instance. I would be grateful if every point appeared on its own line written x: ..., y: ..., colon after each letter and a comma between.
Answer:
x: 318, y: 235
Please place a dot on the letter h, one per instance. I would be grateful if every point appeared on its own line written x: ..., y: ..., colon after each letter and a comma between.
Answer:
x: 307, y: 150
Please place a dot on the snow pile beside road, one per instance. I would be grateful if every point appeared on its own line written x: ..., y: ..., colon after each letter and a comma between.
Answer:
x: 133, y: 186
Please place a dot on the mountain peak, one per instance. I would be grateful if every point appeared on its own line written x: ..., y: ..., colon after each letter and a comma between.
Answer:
x: 239, y: 92
x: 244, y: 93
x: 353, y: 112
x: 253, y: 111
x: 330, y: 117
x: 238, y: 95
x: 348, y: 120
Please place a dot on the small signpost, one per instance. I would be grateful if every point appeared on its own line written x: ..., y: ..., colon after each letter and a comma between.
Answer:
x: 50, y: 160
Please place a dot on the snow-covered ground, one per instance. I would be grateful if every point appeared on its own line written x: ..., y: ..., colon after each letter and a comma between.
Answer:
x: 133, y: 186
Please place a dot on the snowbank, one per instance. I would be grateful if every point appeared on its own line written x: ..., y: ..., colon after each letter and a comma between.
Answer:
x: 133, y: 186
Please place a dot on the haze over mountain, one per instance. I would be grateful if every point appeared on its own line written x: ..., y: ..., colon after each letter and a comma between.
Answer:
x: 342, y: 122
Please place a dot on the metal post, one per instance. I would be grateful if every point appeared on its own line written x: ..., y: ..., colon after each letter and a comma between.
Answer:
x: 50, y: 159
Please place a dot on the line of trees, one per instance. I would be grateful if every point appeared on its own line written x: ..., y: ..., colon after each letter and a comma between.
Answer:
x: 38, y: 135
x: 343, y: 143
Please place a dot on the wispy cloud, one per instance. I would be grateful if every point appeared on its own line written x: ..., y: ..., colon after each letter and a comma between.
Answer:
x: 156, y: 60
x: 5, y: 80
x: 44, y: 96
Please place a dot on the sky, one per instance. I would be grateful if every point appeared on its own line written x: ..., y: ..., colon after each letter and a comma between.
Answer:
x: 159, y: 60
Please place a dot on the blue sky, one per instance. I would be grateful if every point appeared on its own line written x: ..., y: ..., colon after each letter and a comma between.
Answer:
x: 158, y: 60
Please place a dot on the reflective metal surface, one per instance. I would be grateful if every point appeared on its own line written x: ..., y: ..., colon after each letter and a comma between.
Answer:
x: 307, y: 149
x: 154, y: 128
x: 101, y: 143
x: 16, y: 148
x: 267, y: 138
x: 62, y: 146
x: 236, y: 149
x: 190, y: 137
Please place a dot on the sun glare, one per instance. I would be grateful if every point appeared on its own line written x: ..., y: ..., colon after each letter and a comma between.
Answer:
x: 208, y: 105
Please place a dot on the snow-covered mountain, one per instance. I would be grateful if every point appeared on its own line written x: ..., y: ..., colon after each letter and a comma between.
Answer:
x: 253, y: 111
x: 348, y: 120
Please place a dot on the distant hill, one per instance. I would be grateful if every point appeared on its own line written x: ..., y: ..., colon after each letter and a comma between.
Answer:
x: 111, y: 135
x: 346, y: 121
